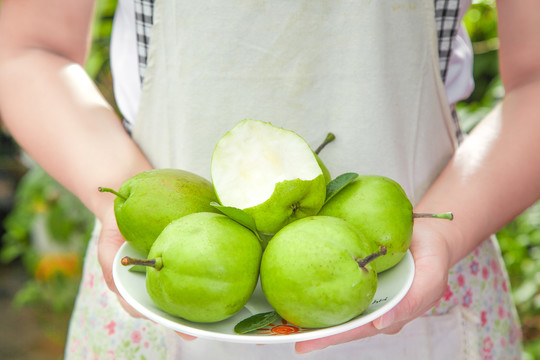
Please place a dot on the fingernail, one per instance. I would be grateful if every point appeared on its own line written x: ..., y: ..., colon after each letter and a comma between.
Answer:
x: 384, y: 321
x: 300, y: 350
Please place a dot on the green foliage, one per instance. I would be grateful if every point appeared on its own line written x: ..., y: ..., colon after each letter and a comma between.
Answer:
x: 97, y: 64
x: 520, y: 245
x: 65, y: 216
x: 481, y: 24
x: 67, y: 226
x: 57, y: 295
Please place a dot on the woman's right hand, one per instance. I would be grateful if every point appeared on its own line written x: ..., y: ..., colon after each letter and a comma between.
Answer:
x: 110, y: 240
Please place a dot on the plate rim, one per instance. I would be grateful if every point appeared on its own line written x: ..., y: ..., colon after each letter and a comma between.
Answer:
x: 310, y: 334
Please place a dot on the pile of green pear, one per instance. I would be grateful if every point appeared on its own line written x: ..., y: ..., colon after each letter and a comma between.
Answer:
x: 271, y: 213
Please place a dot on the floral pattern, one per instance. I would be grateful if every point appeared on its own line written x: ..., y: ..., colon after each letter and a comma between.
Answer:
x: 100, y: 328
x: 479, y: 283
x: 281, y: 328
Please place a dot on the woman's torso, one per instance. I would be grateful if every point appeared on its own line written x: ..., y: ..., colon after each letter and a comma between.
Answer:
x: 391, y: 115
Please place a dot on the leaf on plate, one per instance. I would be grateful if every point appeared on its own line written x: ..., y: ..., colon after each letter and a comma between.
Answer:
x: 255, y: 322
x: 334, y: 186
x: 138, y: 268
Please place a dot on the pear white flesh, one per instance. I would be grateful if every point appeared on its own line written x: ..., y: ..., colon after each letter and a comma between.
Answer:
x: 252, y: 159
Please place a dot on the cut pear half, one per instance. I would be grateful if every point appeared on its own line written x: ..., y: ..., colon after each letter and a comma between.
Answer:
x: 269, y: 172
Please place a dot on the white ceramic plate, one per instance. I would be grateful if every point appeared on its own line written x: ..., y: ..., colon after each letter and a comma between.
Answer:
x: 392, y: 286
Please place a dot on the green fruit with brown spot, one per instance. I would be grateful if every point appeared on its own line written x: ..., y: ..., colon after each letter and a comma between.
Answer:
x: 203, y: 267
x: 150, y: 200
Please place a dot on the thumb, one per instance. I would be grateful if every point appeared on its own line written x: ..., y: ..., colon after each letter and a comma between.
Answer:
x: 427, y: 288
x: 109, y: 242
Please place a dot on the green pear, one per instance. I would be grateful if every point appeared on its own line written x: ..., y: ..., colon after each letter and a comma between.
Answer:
x: 203, y: 267
x: 269, y: 172
x: 150, y: 200
x: 316, y: 272
x: 378, y: 208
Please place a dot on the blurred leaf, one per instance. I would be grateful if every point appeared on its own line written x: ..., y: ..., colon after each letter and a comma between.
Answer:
x: 10, y: 252
x: 57, y: 295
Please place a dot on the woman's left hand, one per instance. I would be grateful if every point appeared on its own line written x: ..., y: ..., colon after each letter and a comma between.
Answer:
x: 431, y: 255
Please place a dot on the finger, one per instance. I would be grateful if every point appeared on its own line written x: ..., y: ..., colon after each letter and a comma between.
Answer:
x: 402, y: 310
x: 128, y: 308
x: 415, y: 304
x: 186, y: 336
x: 393, y: 329
x: 109, y: 243
x: 364, y: 331
x: 428, y: 287
x: 106, y: 252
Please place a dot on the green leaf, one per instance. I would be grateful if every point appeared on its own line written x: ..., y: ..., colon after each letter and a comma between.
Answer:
x: 59, y: 227
x: 10, y: 252
x: 238, y: 215
x: 138, y: 268
x: 255, y: 322
x: 338, y: 184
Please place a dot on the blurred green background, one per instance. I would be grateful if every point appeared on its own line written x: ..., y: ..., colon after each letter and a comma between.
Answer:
x: 45, y: 228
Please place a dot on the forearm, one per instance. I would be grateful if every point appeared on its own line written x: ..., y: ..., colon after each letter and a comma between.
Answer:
x: 60, y: 119
x: 494, y: 175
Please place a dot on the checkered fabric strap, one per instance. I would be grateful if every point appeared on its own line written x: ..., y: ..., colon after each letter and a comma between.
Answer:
x: 144, y: 18
x: 446, y: 18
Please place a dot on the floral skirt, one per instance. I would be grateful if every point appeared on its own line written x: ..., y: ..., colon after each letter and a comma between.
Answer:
x: 478, y: 289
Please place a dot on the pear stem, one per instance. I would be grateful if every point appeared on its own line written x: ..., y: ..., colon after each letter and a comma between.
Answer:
x: 363, y: 262
x: 155, y: 263
x: 445, y: 216
x: 105, y: 189
x: 329, y: 138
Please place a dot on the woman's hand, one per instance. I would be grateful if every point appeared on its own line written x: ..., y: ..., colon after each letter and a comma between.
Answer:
x: 109, y: 243
x: 431, y: 255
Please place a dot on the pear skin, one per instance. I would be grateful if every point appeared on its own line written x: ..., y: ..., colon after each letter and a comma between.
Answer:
x: 379, y: 209
x: 203, y: 267
x: 150, y: 200
x: 310, y: 272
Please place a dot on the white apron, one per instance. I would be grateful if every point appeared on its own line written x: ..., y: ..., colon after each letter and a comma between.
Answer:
x: 310, y: 66
x: 365, y: 70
